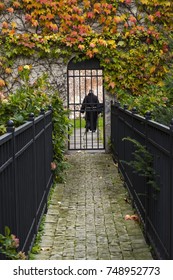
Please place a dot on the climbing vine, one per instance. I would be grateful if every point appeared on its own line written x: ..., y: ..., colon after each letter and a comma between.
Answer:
x: 130, y: 37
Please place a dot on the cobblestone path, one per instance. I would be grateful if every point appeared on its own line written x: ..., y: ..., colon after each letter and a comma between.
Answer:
x: 85, y: 220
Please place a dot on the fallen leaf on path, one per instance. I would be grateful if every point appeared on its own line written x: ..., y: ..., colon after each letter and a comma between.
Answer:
x: 127, y: 217
x: 45, y: 249
x: 126, y: 200
x: 135, y: 218
x: 132, y: 217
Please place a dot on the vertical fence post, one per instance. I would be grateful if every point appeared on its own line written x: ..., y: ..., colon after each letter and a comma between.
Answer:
x: 42, y: 112
x: 171, y: 192
x: 147, y: 118
x: 51, y: 109
x: 31, y: 119
x: 132, y: 148
x: 125, y: 106
x: 11, y: 129
x: 124, y: 132
x: 111, y: 133
x: 115, y: 133
x: 134, y: 111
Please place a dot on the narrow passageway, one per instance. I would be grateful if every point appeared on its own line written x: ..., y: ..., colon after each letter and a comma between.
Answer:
x: 85, y: 220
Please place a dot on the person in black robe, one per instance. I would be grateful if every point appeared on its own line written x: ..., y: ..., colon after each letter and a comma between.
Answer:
x: 90, y: 106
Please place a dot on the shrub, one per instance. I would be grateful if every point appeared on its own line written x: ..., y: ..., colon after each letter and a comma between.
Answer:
x: 9, y: 244
x: 60, y: 133
x: 30, y: 97
x: 163, y: 115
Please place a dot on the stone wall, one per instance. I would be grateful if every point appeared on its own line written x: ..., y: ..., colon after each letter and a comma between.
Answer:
x: 56, y: 70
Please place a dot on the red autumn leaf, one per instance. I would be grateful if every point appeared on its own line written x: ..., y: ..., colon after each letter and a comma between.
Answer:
x: 74, y: 33
x: 50, y: 16
x: 158, y: 14
x: 2, y: 6
x: 110, y: 6
x: 10, y: 10
x: 135, y: 218
x: 92, y: 45
x: 28, y: 17
x: 90, y: 15
x: 128, y: 1
x: 89, y: 53
x: 81, y: 47
x: 132, y: 19
x: 151, y: 18
x: 132, y: 217
x: 5, y: 25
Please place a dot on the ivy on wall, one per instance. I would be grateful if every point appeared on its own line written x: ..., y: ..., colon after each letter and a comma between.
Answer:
x: 130, y: 37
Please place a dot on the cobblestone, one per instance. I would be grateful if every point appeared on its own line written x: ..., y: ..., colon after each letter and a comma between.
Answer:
x: 85, y: 219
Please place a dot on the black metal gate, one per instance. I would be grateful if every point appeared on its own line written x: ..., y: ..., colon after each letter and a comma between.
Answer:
x: 86, y: 112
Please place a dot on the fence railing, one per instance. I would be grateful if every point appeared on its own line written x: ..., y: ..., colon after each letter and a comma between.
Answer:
x: 153, y: 200
x: 25, y: 176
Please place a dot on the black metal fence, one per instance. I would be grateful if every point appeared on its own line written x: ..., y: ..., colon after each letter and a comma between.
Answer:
x: 25, y: 176
x: 153, y: 200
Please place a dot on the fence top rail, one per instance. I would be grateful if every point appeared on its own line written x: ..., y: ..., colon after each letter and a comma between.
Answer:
x: 22, y: 127
x: 37, y: 119
x: 150, y: 122
x: 5, y: 137
x: 134, y: 115
x: 159, y: 126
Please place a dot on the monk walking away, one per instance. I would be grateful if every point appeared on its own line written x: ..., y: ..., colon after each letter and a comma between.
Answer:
x: 91, y: 108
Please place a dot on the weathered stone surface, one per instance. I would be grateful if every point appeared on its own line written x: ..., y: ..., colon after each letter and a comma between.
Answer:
x: 88, y: 222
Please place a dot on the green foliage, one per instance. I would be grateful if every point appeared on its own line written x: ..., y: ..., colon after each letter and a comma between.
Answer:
x: 163, y: 115
x: 154, y: 96
x: 30, y: 98
x: 60, y: 133
x: 36, y: 247
x: 8, y: 246
x: 142, y: 163
x: 157, y: 99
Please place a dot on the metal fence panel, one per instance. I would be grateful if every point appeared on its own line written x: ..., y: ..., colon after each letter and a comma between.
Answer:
x: 25, y: 177
x: 153, y: 201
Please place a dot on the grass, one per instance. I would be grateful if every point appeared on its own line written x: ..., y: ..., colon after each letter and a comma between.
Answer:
x: 80, y: 123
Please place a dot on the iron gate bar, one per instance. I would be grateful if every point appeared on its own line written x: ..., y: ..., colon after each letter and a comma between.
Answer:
x: 83, y: 76
x: 84, y: 64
